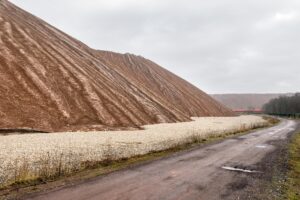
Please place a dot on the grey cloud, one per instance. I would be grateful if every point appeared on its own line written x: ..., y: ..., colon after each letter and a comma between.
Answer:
x: 218, y: 45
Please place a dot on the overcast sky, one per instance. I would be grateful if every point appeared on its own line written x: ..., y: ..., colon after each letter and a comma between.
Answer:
x: 221, y: 46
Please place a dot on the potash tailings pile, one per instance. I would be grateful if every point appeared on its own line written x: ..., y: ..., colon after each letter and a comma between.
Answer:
x: 50, y: 82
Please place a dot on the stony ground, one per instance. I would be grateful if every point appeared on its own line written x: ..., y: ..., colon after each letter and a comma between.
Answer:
x: 236, y: 168
x: 28, y: 156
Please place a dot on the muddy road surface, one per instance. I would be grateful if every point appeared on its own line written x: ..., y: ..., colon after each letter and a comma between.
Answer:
x: 224, y: 170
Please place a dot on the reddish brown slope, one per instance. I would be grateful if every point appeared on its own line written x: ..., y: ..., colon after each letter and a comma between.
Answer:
x: 50, y: 81
x: 162, y: 85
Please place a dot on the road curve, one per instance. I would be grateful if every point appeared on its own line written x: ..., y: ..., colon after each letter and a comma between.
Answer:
x: 206, y: 173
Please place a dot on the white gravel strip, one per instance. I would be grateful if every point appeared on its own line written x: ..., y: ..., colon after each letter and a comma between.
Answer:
x: 32, y: 152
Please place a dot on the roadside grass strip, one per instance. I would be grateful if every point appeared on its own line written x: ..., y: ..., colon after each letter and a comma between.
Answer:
x: 293, y: 182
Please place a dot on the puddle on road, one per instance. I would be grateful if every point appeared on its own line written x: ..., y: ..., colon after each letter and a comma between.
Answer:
x: 261, y: 146
x: 239, y: 169
x: 291, y: 129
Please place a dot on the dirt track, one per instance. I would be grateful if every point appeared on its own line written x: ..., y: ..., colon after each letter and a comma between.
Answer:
x: 197, y: 174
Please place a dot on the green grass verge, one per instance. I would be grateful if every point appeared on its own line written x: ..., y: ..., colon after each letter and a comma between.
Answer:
x: 293, y: 182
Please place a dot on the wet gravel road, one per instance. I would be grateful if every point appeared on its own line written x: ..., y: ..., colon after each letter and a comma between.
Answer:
x: 208, y: 173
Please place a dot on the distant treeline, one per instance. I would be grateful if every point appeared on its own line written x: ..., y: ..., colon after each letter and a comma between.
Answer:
x: 285, y: 106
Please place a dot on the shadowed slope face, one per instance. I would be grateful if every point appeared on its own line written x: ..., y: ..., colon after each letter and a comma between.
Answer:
x: 51, y: 82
